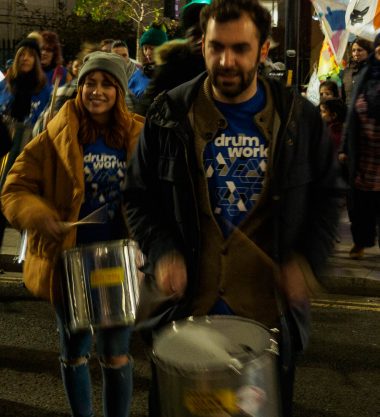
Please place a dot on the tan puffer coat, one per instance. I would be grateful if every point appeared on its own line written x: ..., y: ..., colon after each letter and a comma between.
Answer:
x: 47, y: 179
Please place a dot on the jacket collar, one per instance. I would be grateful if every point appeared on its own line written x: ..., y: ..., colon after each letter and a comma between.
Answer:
x: 175, y: 104
x: 63, y: 132
x: 172, y: 107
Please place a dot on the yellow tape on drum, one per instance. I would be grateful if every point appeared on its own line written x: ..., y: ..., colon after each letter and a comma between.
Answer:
x: 211, y: 403
x: 106, y: 277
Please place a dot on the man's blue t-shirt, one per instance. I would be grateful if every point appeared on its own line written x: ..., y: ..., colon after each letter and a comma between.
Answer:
x: 235, y: 162
x: 105, y: 181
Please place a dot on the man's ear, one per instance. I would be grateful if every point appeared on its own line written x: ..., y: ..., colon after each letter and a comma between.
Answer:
x: 264, y: 51
x: 203, y: 45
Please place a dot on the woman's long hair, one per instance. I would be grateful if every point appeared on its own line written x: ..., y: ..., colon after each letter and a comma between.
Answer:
x: 37, y: 73
x: 116, y: 131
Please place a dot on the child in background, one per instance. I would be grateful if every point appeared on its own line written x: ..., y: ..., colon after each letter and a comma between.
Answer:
x: 333, y: 112
x: 328, y: 89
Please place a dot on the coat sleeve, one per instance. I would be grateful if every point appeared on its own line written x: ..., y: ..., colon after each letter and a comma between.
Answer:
x: 21, y: 199
x: 146, y: 213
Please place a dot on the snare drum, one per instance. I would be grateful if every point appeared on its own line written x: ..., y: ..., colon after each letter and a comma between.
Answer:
x: 217, y: 366
x: 103, y: 284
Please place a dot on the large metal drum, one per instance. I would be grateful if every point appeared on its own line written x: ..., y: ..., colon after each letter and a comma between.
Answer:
x: 102, y: 284
x: 217, y: 366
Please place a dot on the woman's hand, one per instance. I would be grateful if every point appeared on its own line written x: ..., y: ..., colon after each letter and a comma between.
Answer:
x: 51, y: 228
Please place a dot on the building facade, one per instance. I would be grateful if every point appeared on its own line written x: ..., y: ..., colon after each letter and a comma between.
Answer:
x: 19, y: 17
x: 293, y: 27
x: 16, y: 17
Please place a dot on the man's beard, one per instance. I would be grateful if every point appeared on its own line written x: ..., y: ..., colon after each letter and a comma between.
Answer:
x: 234, y: 88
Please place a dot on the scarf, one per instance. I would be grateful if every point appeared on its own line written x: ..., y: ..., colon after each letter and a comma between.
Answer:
x: 22, y: 88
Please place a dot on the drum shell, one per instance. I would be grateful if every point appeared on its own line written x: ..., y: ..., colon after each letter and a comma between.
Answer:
x: 217, y: 392
x: 107, y: 302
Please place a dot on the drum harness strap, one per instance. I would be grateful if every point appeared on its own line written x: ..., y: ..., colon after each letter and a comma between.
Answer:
x: 286, y: 340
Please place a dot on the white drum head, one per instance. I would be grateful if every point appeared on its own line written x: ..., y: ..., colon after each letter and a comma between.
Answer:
x: 210, y: 342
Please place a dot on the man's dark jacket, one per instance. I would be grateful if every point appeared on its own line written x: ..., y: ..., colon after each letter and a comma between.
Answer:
x: 161, y: 189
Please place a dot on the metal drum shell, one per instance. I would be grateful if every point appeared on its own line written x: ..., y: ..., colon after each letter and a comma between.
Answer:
x: 201, y: 391
x: 102, y: 304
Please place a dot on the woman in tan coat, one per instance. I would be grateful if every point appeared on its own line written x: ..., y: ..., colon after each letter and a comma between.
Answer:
x: 78, y: 165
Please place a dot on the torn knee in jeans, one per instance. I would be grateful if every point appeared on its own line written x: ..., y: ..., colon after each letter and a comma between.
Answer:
x: 82, y: 360
x: 115, y: 361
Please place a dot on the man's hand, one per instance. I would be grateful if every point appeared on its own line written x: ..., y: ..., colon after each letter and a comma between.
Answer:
x: 171, y: 275
x: 293, y: 283
x: 342, y: 157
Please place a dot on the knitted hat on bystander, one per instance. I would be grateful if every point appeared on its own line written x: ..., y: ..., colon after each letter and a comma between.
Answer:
x: 153, y: 36
x: 29, y: 43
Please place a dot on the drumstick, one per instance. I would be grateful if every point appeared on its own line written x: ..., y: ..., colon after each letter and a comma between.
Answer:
x: 98, y: 216
x: 79, y: 223
x: 57, y: 77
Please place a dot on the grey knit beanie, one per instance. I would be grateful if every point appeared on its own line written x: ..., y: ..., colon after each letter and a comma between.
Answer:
x: 109, y: 62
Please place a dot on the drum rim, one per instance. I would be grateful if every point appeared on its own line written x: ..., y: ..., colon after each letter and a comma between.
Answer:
x: 109, y: 243
x: 211, y: 317
x: 194, y: 371
x: 175, y: 369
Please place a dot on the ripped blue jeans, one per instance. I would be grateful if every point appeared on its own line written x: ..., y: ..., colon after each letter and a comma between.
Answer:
x: 75, y: 349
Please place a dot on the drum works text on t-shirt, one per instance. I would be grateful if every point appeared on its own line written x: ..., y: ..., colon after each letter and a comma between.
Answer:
x: 105, y: 180
x: 235, y: 162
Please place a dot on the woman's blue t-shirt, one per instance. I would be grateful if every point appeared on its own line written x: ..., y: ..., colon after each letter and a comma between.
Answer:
x: 105, y: 181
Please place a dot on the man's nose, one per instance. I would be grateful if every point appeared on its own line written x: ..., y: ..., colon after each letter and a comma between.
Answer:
x: 227, y: 58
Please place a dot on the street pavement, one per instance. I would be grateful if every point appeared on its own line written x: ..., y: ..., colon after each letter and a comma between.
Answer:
x: 352, y: 277
x: 31, y: 384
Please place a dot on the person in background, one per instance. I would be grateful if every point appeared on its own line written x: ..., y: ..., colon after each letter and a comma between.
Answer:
x: 333, y: 112
x: 119, y: 47
x: 139, y: 80
x: 52, y: 59
x: 231, y: 191
x: 25, y: 91
x: 155, y: 36
x: 360, y: 50
x: 178, y: 60
x: 361, y: 151
x: 55, y: 180
x: 328, y: 89
x: 106, y: 45
x: 75, y: 67
x: 64, y: 93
